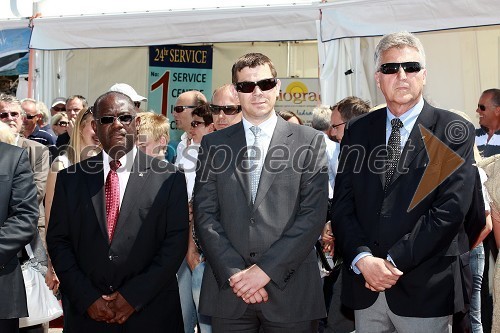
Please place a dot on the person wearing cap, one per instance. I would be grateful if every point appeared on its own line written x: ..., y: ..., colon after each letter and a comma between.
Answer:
x: 58, y: 105
x: 130, y: 92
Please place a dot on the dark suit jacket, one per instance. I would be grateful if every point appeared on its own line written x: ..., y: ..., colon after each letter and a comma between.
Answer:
x: 423, y: 241
x: 277, y: 233
x: 18, y: 218
x: 149, y: 243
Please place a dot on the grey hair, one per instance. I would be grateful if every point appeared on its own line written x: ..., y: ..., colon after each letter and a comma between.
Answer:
x: 399, y: 40
x: 11, y: 100
x: 321, y: 117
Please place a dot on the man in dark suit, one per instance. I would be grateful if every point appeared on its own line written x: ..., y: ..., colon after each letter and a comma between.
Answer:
x: 260, y: 201
x: 18, y: 218
x: 402, y: 191
x: 118, y: 231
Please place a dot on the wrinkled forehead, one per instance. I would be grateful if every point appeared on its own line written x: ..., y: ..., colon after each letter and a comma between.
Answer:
x: 114, y: 104
x: 9, y: 107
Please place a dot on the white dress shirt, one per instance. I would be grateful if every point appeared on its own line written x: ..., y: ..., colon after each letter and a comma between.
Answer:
x: 127, y: 161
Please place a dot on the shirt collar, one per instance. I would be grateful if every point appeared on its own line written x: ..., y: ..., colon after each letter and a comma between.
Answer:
x: 126, y: 160
x: 409, y: 117
x: 267, y: 126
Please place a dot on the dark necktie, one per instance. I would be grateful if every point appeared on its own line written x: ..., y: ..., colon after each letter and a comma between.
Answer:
x: 394, y: 150
x: 257, y: 162
x: 112, y: 191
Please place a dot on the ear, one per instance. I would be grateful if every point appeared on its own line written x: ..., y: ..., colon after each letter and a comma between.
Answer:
x: 93, y: 123
x: 424, y: 76
x: 233, y: 91
x: 377, y: 78
x: 163, y: 140
x: 211, y: 128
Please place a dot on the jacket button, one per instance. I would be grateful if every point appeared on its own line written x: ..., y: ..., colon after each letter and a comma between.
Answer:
x: 252, y: 254
x: 252, y: 220
x: 110, y: 258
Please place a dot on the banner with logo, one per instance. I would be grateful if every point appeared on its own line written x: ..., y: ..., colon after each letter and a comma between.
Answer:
x: 300, y: 96
x: 174, y: 69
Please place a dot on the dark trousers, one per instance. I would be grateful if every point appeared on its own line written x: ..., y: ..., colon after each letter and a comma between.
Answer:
x: 9, y: 325
x: 253, y: 321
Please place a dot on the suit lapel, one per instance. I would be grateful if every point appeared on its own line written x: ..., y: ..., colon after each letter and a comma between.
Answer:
x: 377, y: 135
x: 281, y: 137
x: 415, y: 142
x: 94, y: 179
x: 238, y: 144
x: 138, y: 178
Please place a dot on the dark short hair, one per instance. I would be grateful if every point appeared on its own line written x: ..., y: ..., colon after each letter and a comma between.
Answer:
x: 286, y: 114
x: 495, y: 95
x: 203, y: 111
x: 80, y: 97
x: 351, y: 107
x: 251, y: 60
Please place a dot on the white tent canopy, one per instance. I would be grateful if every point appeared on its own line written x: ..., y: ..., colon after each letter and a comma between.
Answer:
x: 461, y: 63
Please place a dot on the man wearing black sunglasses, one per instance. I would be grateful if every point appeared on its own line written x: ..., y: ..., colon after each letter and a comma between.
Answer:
x: 225, y: 107
x: 260, y: 202
x: 488, y: 111
x: 402, y: 269
x: 128, y: 212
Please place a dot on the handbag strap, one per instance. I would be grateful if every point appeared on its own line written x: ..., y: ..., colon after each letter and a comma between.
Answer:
x: 29, y: 251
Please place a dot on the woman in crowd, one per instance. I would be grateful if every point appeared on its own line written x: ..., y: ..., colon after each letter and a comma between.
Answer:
x: 59, y: 123
x: 291, y: 117
x: 81, y: 147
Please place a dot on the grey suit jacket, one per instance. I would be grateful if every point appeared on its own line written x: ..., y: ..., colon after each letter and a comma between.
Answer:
x: 18, y: 217
x: 277, y: 233
x: 39, y: 160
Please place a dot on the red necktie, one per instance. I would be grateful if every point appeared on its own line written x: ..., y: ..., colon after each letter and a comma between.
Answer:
x: 112, y: 190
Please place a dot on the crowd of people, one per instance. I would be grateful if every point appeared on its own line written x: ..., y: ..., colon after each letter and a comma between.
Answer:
x: 369, y: 220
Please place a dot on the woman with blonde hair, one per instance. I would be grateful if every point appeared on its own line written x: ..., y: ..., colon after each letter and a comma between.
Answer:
x: 82, y: 145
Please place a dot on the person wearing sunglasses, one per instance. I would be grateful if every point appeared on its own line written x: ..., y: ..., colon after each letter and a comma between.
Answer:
x: 129, y: 219
x: 402, y: 269
x: 74, y: 104
x: 260, y: 203
x: 225, y: 107
x: 488, y: 111
x: 31, y: 130
x: 59, y: 123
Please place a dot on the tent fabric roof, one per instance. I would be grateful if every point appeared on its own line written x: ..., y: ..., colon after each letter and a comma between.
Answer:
x: 363, y: 18
x: 269, y: 23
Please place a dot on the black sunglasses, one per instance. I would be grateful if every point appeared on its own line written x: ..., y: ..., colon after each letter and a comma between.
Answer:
x: 337, y: 125
x: 481, y: 107
x: 4, y: 115
x: 180, y: 108
x: 31, y: 116
x: 62, y: 123
x: 59, y: 108
x: 248, y: 86
x: 393, y: 67
x: 228, y: 110
x: 196, y: 123
x: 124, y: 119
x: 137, y: 104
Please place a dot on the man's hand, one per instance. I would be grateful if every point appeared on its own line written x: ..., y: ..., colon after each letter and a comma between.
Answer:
x: 99, y: 311
x: 119, y: 305
x: 248, y: 282
x: 192, y: 259
x: 379, y: 273
x: 328, y: 239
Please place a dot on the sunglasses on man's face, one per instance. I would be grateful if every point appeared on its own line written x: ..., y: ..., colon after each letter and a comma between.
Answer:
x: 196, y: 123
x: 137, y: 104
x: 59, y: 108
x: 62, y: 123
x: 181, y: 108
x: 124, y: 119
x: 31, y: 116
x: 481, y: 107
x: 337, y: 125
x: 228, y: 110
x: 248, y: 86
x: 393, y: 67
x: 5, y: 115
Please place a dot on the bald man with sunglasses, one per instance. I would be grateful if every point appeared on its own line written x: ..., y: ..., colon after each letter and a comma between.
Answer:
x: 225, y: 107
x: 260, y: 200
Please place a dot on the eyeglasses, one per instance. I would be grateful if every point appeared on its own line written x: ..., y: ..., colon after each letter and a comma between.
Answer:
x: 5, y: 115
x: 137, y: 104
x: 59, y: 108
x: 393, y: 67
x: 337, y: 125
x: 481, y: 107
x: 62, y: 123
x: 180, y: 108
x: 30, y: 116
x: 228, y: 110
x: 124, y: 119
x: 196, y: 123
x: 248, y: 86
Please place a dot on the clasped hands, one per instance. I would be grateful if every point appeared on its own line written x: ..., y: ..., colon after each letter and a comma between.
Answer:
x: 113, y: 309
x: 380, y: 274
x: 249, y: 284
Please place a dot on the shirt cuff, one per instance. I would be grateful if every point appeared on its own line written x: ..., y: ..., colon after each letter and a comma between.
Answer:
x: 356, y: 259
x: 390, y: 259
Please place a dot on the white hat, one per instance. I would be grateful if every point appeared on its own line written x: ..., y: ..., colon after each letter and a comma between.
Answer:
x: 129, y: 91
x: 58, y: 100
